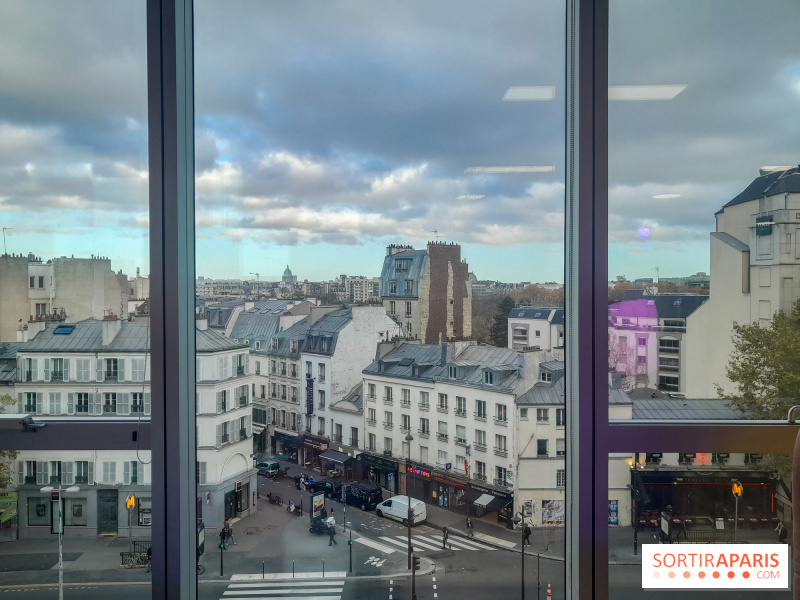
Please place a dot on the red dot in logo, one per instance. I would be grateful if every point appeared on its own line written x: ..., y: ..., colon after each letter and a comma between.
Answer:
x: 686, y: 575
x: 731, y: 574
x: 671, y: 574
x: 701, y: 574
x: 746, y: 574
x: 715, y: 574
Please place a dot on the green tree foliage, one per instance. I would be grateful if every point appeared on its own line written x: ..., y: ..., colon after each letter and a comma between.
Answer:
x: 765, y: 366
x: 6, y: 456
x: 499, y: 330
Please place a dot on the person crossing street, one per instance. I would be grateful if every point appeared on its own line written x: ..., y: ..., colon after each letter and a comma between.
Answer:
x: 470, y: 532
x: 331, y: 523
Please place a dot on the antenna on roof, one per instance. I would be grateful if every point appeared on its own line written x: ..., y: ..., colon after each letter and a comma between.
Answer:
x: 435, y: 233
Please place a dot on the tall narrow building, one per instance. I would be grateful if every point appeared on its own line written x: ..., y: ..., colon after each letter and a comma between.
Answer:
x: 428, y: 292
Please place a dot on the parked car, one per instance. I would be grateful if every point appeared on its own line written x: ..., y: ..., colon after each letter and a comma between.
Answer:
x: 331, y: 488
x: 364, y: 495
x: 396, y: 508
x: 268, y: 468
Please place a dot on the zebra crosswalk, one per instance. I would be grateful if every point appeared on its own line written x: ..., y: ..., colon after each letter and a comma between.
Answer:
x: 285, y: 589
x: 421, y: 543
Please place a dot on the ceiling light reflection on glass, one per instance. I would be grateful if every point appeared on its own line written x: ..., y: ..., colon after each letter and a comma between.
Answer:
x: 529, y: 93
x: 644, y: 233
x: 666, y: 196
x: 644, y: 92
x: 470, y: 197
x: 532, y: 169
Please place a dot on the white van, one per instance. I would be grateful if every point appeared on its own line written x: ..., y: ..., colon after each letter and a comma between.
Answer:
x: 396, y: 507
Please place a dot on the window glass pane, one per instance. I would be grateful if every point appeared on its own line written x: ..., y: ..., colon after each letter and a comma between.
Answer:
x: 703, y: 237
x: 694, y: 506
x: 380, y: 201
x: 74, y: 275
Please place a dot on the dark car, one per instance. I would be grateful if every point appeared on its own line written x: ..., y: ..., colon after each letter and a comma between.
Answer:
x: 331, y: 488
x: 366, y: 496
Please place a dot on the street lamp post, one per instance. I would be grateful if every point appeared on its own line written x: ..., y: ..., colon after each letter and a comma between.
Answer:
x: 518, y: 520
x: 47, y: 489
x: 409, y: 513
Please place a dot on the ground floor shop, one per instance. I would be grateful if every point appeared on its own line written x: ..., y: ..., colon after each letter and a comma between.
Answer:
x: 231, y: 499
x: 310, y: 450
x: 284, y: 446
x: 380, y: 470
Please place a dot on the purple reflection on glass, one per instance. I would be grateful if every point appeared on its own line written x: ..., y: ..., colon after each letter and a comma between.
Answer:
x: 644, y: 232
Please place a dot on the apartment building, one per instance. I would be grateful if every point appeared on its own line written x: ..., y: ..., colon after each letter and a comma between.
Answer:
x: 100, y: 369
x: 755, y: 271
x: 428, y: 292
x: 532, y: 327
x: 444, y: 414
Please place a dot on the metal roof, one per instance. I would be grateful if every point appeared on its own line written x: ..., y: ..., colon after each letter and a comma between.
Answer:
x: 257, y: 325
x: 554, y: 394
x: 770, y: 184
x: 552, y: 366
x: 297, y: 332
x: 208, y: 340
x: 727, y: 238
x: 87, y: 336
x: 677, y: 306
x: 418, y: 261
x: 684, y: 409
x: 8, y: 351
x: 355, y: 396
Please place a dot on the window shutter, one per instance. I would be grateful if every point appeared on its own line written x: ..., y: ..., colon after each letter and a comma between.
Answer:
x: 70, y: 404
x: 247, y: 364
x: 147, y: 403
x: 20, y: 369
x: 202, y: 474
x: 233, y: 366
x: 219, y: 402
x: 121, y: 365
x: 35, y: 369
x: 219, y: 435
x: 66, y: 369
x: 41, y: 472
x: 90, y: 472
x: 124, y: 404
x: 20, y: 402
x: 47, y: 368
x: 126, y: 472
x: 197, y: 372
x: 69, y: 472
x: 98, y: 404
x: 218, y: 368
x: 39, y: 403
x: 20, y: 472
x: 51, y: 409
x: 100, y: 373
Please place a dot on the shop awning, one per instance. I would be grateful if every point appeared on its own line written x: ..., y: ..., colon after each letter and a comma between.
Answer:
x: 498, y: 503
x: 334, y: 456
x: 484, y: 500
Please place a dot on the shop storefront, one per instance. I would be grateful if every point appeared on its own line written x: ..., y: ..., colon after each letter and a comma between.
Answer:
x: 9, y: 521
x: 312, y: 447
x: 336, y: 464
x: 284, y: 446
x: 437, y: 488
x: 485, y: 499
x: 237, y: 500
x: 376, y: 469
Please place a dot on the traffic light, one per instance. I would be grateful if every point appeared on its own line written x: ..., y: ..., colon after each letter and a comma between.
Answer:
x: 222, y: 545
x: 415, y: 563
x: 349, y: 542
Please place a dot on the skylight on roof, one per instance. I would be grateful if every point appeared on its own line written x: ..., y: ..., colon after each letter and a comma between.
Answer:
x: 677, y: 302
x: 537, y: 315
x: 63, y: 329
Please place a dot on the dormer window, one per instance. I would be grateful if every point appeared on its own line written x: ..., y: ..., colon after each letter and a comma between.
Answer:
x: 452, y: 372
x: 325, y: 344
x: 402, y: 265
x: 546, y: 377
x: 392, y: 287
x: 273, y: 344
x: 294, y: 346
x: 488, y: 377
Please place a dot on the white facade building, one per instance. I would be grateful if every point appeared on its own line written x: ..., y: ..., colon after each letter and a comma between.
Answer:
x: 532, y: 327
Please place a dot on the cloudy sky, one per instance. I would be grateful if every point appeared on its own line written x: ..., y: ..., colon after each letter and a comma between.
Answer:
x: 326, y: 131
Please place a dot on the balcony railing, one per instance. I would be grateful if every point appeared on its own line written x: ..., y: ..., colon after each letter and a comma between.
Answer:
x: 671, y: 368
x: 461, y: 441
x: 405, y: 402
x: 320, y: 432
x: 387, y: 453
x: 664, y: 350
x: 424, y: 433
x: 424, y: 407
x: 354, y: 442
x: 337, y: 438
x: 500, y: 482
x: 479, y: 476
x: 242, y: 401
x: 388, y: 400
x: 500, y: 451
x: 460, y: 412
x: 242, y: 434
x: 371, y: 422
x: 371, y: 397
x: 405, y: 429
x: 479, y: 447
x: 240, y: 370
x: 441, y: 408
x: 388, y: 425
x: 501, y: 421
x: 442, y: 437
x: 478, y: 416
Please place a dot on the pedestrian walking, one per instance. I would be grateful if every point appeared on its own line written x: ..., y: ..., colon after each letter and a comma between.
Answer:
x: 470, y: 533
x: 783, y: 533
x: 526, y: 535
x: 331, y: 523
x: 445, y: 533
x: 229, y: 531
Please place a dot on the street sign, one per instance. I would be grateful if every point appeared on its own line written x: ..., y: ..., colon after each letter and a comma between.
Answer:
x: 737, y: 489
x: 130, y: 502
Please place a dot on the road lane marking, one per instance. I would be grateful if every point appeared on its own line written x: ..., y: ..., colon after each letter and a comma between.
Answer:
x: 374, y: 545
x: 470, y: 545
x: 425, y: 543
x: 494, y: 540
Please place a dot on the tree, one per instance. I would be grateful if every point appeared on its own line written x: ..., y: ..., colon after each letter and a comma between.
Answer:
x: 765, y: 366
x: 7, y: 457
x: 499, y: 329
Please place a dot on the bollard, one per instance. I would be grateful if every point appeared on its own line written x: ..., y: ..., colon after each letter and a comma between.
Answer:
x: 292, y: 569
x: 323, y: 567
x: 262, y: 570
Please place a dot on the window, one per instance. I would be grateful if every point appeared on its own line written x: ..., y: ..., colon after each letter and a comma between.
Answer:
x: 371, y: 444
x: 442, y: 432
x: 387, y: 394
x: 392, y: 310
x: 112, y: 368
x: 501, y: 415
x: 408, y: 309
x: 337, y: 433
x: 641, y: 341
x: 541, y: 447
x: 137, y: 403
x: 55, y: 471
x: 488, y: 377
x: 83, y: 473
x: 308, y: 369
x: 500, y: 476
x: 138, y: 368
x: 320, y: 371
x: 393, y: 287
x: 273, y: 367
x: 523, y: 414
x: 442, y: 459
x: 668, y: 346
x: 110, y: 403
x: 546, y: 376
x: 561, y: 417
x: 451, y: 372
x: 537, y: 333
x: 57, y: 369
x: 406, y: 422
x: 30, y: 403
x: 109, y: 472
x: 41, y: 281
x: 320, y: 425
x: 480, y: 470
x: 55, y: 403
x: 83, y: 369
x: 406, y: 396
x: 82, y: 403
x: 561, y: 447
x: 461, y: 435
x: 387, y: 419
x: 480, y: 439
x: 387, y: 446
x: 283, y: 394
x: 480, y: 409
x: 293, y: 370
x: 442, y: 405
x: 371, y: 390
x: 561, y: 478
x: 424, y: 400
x: 283, y: 368
x: 542, y: 415
x: 354, y: 437
x: 424, y: 426
x: 409, y: 287
x: 641, y: 360
x: 273, y: 390
x: 461, y: 406
x: 293, y: 347
x: 371, y: 416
